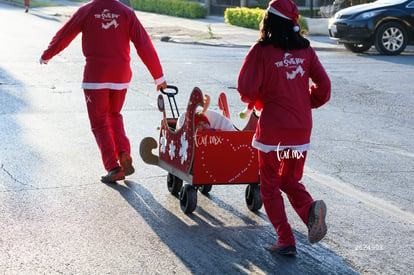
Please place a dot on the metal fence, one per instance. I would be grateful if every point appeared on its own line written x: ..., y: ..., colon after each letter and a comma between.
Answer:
x: 327, y: 8
x: 311, y: 8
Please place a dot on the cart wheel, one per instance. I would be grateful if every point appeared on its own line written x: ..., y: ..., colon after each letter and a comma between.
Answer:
x: 253, y: 197
x: 174, y: 184
x: 188, y: 198
x: 205, y: 189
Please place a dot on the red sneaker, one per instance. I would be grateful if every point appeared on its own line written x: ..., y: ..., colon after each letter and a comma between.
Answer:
x: 113, y: 175
x: 126, y: 163
x: 283, y: 250
x: 316, y: 222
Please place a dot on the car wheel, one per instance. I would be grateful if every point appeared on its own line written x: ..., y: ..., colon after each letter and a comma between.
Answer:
x: 357, y: 48
x: 174, y: 184
x: 390, y: 38
x: 188, y: 198
x: 205, y: 189
x: 253, y: 198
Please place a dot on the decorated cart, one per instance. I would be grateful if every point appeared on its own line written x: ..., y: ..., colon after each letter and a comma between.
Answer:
x: 202, y: 158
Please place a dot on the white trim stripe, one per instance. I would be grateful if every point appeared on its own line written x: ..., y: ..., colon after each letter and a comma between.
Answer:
x: 268, y: 148
x: 105, y: 85
x: 278, y: 13
x: 160, y: 80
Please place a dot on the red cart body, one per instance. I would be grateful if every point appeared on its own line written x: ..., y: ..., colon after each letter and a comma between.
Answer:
x: 225, y: 158
x: 207, y: 157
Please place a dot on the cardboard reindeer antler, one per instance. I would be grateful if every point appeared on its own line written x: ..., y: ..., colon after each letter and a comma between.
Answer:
x: 206, y: 104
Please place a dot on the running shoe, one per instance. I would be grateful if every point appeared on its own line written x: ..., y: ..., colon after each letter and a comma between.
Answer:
x: 316, y: 222
x: 126, y: 163
x: 284, y: 250
x: 113, y: 175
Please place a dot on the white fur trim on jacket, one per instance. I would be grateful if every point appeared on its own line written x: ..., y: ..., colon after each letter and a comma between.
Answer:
x: 268, y: 148
x: 160, y: 80
x: 278, y: 13
x: 106, y: 85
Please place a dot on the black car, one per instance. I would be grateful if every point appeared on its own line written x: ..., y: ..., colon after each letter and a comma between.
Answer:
x: 387, y: 24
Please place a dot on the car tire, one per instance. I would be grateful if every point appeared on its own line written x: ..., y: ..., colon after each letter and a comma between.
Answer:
x: 390, y: 38
x: 357, y: 48
x: 253, y: 197
x: 174, y: 184
x: 205, y: 189
x: 188, y: 198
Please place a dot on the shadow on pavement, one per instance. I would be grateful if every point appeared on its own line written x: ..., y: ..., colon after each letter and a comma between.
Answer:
x: 12, y: 101
x: 405, y: 58
x: 46, y: 17
x: 211, y: 247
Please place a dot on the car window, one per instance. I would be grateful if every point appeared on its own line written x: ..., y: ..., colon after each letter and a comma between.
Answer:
x: 410, y: 5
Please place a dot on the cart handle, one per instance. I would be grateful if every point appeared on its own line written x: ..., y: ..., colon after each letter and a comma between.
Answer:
x: 171, y: 95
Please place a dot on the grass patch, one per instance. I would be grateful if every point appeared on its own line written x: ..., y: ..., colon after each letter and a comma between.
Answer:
x: 35, y: 4
x: 39, y: 4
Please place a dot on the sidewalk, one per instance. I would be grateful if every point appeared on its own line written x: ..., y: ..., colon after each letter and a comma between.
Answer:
x: 211, y: 31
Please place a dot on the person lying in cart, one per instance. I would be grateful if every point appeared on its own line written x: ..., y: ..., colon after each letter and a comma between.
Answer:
x: 207, y: 119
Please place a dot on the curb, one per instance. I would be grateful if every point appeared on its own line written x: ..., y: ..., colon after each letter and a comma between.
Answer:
x: 189, y: 31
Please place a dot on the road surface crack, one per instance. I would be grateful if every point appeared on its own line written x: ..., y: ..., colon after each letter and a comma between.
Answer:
x: 2, y: 168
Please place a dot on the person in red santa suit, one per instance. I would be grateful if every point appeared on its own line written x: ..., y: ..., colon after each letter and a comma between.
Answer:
x: 107, y: 27
x: 275, y: 77
x: 27, y: 5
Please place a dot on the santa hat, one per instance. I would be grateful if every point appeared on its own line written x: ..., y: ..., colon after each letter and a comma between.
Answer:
x: 200, y: 117
x: 286, y: 9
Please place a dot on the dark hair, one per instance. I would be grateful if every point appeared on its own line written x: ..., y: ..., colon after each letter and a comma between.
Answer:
x: 278, y: 32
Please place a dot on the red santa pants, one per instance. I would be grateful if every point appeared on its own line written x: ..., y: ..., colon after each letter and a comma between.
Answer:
x: 282, y: 171
x: 104, y: 107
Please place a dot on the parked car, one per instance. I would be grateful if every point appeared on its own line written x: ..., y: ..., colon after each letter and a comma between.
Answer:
x: 387, y: 24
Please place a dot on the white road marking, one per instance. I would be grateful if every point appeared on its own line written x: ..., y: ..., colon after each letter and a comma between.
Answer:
x: 366, y: 198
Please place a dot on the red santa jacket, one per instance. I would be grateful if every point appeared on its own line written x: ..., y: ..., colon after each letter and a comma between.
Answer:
x: 279, y: 81
x: 107, y: 28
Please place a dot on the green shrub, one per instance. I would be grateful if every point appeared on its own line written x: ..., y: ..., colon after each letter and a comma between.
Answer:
x: 35, y: 4
x: 244, y: 17
x: 179, y: 8
x: 251, y: 18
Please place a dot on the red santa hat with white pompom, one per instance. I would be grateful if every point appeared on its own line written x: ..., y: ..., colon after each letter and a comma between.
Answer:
x: 286, y: 9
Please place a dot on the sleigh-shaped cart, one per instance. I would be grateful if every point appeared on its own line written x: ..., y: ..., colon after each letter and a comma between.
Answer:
x: 203, y: 158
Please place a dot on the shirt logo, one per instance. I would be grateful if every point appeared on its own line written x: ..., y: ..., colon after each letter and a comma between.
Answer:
x: 293, y: 64
x: 108, y: 19
x: 293, y: 74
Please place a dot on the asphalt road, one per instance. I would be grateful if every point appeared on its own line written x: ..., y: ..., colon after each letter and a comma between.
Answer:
x: 56, y: 217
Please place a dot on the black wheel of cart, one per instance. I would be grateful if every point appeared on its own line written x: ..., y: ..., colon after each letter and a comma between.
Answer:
x: 205, y: 189
x: 253, y: 197
x: 174, y: 184
x: 188, y: 198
